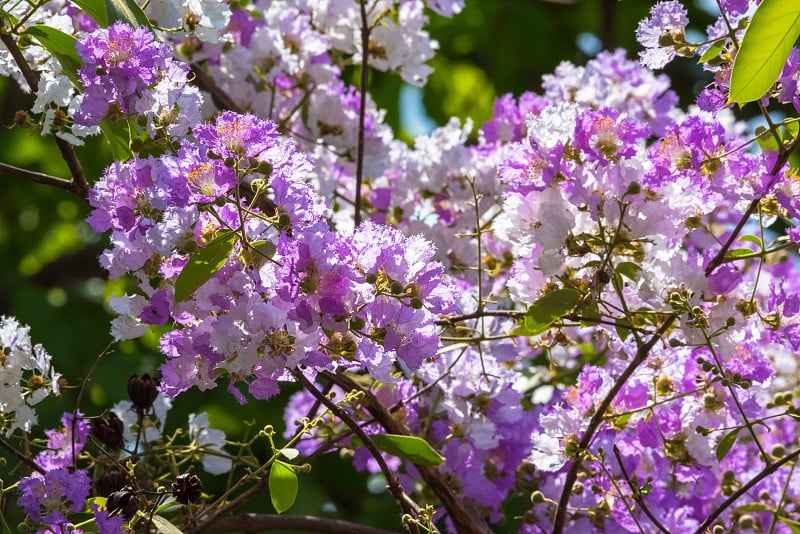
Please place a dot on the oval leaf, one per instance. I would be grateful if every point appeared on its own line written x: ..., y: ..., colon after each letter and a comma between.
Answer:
x: 410, y: 448
x: 61, y: 45
x: 96, y: 9
x: 542, y: 313
x: 127, y: 11
x: 164, y: 526
x: 765, y: 47
x: 282, y: 486
x: 725, y: 444
x: 203, y: 264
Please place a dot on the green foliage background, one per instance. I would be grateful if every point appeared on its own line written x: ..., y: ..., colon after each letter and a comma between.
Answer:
x: 50, y: 278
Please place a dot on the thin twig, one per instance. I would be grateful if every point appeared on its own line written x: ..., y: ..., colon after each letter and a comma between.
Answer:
x: 391, y: 480
x: 780, y: 162
x: 597, y: 419
x: 79, y: 184
x: 362, y: 111
x: 636, y: 493
x: 36, y: 177
x: 21, y: 457
x: 767, y: 471
x: 466, y: 518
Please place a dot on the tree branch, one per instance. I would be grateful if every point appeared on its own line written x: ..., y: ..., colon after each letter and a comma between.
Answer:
x: 597, y: 419
x: 37, y: 177
x: 362, y: 110
x: 767, y: 471
x: 780, y: 162
x: 465, y: 517
x: 78, y: 185
x: 391, y: 479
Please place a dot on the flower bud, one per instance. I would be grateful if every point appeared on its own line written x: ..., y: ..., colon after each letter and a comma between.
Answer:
x: 537, y: 497
x: 112, y: 480
x: 122, y: 501
x: 142, y: 391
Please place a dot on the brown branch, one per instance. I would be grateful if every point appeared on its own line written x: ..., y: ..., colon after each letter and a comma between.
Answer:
x: 391, y: 479
x: 636, y: 493
x: 780, y: 162
x: 362, y: 110
x: 745, y: 488
x: 453, y: 319
x: 252, y: 523
x: 465, y: 517
x: 597, y: 419
x: 37, y: 177
x: 78, y: 185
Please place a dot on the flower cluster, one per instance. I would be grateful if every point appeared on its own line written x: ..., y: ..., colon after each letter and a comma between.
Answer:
x: 28, y: 376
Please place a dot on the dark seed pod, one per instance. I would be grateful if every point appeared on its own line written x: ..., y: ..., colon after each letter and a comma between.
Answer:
x: 109, y: 430
x: 142, y: 391
x: 187, y: 488
x: 122, y: 501
x: 112, y: 479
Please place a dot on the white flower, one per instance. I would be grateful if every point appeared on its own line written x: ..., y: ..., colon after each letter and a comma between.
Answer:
x: 210, y: 439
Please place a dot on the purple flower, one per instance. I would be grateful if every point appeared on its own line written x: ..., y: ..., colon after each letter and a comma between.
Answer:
x: 158, y: 310
x: 62, y: 443
x: 119, y: 62
x: 666, y: 18
x: 724, y: 279
x: 48, y: 497
x: 106, y: 523
x: 236, y: 136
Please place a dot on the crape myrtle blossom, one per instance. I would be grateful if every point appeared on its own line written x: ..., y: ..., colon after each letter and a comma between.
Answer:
x: 27, y: 378
x: 125, y: 70
x: 662, y: 33
x: 260, y: 315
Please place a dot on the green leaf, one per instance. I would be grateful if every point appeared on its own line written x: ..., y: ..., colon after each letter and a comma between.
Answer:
x: 753, y: 507
x: 61, y: 45
x: 622, y: 329
x: 713, y: 51
x: 127, y: 11
x: 96, y: 9
x: 628, y: 269
x: 411, y: 448
x: 282, y: 486
x: 118, y: 135
x: 752, y: 239
x: 793, y: 525
x: 164, y: 526
x: 725, y: 444
x: 765, y: 47
x: 203, y: 264
x: 542, y: 313
x: 738, y: 252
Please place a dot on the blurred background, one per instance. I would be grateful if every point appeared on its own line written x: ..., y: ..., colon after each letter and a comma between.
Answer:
x: 50, y: 278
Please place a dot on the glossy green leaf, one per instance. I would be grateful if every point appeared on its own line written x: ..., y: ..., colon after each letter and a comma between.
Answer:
x: 117, y: 134
x: 127, y: 11
x: 164, y: 526
x: 726, y: 443
x: 752, y: 239
x: 282, y: 486
x: 739, y: 252
x: 793, y: 525
x: 61, y: 45
x: 96, y: 9
x: 753, y: 507
x: 542, y: 313
x: 713, y: 51
x: 765, y: 47
x: 411, y: 448
x: 203, y: 264
x: 628, y: 269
